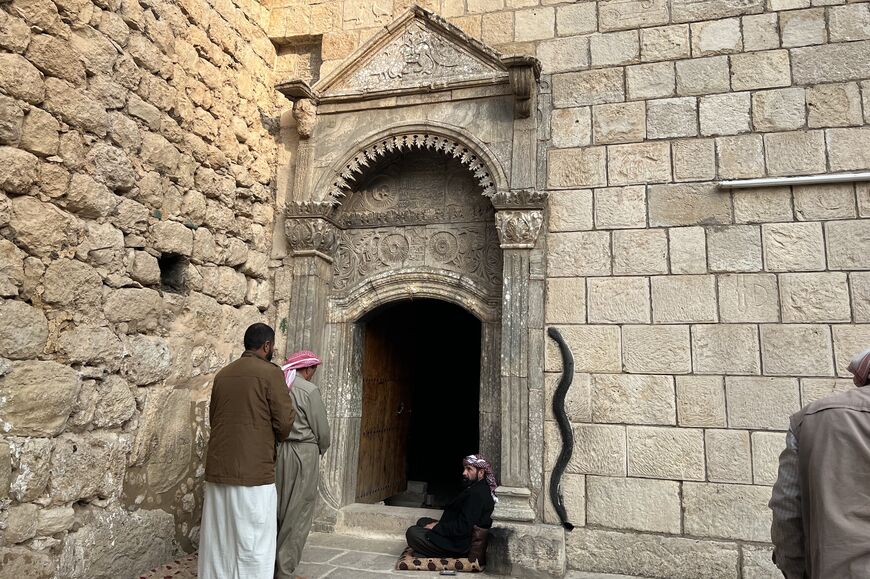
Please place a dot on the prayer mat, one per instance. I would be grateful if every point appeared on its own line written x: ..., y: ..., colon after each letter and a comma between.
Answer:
x: 408, y: 562
x: 184, y: 568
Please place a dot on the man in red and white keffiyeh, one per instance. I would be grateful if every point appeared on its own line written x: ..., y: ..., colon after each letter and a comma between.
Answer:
x: 302, y: 360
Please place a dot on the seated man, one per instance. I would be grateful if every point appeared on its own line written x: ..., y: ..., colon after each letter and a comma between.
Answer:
x: 451, y: 536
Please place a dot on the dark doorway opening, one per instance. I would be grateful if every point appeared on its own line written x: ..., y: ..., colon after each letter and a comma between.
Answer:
x: 421, y: 392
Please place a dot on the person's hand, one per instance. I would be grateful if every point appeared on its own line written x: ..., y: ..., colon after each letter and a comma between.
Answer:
x: 431, y: 525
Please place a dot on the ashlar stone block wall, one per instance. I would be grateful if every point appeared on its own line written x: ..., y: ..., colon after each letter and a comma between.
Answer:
x: 130, y: 132
x: 699, y: 318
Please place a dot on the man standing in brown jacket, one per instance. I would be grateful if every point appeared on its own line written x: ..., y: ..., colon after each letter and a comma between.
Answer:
x: 250, y: 409
x: 821, y: 501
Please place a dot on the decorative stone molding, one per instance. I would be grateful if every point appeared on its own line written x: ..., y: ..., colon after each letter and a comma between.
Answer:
x: 518, y: 229
x: 524, y: 72
x: 305, y: 113
x: 520, y: 199
x: 309, y: 229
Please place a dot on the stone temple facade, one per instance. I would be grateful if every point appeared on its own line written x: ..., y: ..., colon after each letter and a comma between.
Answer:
x: 174, y: 170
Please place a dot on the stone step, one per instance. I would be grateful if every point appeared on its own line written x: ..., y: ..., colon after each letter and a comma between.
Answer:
x: 379, y: 521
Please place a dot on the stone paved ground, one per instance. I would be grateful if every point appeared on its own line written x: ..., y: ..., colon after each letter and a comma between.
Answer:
x: 344, y: 557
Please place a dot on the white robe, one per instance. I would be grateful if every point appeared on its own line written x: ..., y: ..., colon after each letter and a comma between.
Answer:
x: 238, y: 532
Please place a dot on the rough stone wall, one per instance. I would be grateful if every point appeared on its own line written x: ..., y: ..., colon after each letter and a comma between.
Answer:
x: 700, y: 319
x: 129, y: 131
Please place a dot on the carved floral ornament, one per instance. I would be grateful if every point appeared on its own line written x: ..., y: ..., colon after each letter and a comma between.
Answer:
x: 518, y: 229
x: 310, y: 229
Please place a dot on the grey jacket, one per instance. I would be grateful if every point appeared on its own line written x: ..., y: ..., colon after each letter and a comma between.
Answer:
x: 310, y: 423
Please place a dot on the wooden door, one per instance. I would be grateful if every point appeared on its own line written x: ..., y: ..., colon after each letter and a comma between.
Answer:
x: 386, y: 409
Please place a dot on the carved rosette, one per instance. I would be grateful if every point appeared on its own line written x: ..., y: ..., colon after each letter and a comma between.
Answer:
x: 518, y: 229
x: 310, y: 230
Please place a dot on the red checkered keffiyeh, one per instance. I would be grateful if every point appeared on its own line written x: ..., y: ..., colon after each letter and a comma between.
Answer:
x: 477, y: 461
x: 860, y: 368
x: 301, y: 359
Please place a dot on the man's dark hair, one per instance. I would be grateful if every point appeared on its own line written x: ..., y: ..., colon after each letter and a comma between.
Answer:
x: 258, y: 334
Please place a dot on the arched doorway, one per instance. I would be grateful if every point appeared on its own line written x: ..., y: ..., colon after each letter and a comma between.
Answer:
x: 420, y: 401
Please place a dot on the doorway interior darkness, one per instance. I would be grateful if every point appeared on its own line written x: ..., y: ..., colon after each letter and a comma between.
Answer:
x: 421, y: 392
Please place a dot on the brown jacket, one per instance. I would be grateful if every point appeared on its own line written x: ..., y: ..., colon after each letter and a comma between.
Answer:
x: 250, y: 409
x: 834, y: 471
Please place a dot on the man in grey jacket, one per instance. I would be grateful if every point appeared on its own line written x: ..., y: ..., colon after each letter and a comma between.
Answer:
x: 298, y: 463
x: 821, y: 501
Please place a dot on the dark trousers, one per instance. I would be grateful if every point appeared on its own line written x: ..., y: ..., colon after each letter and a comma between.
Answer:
x: 418, y: 539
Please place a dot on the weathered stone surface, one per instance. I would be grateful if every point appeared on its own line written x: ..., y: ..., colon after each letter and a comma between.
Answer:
x: 5, y: 470
x: 588, y: 87
x: 579, y: 254
x: 56, y: 58
x: 620, y: 207
x: 633, y: 399
x: 91, y: 346
x: 88, y: 198
x: 824, y: 202
x: 638, y: 504
x: 11, y: 118
x: 23, y: 330
x: 576, y: 19
x: 665, y: 43
x: 614, y: 48
x: 728, y: 456
x: 847, y: 149
x: 38, y: 398
x: 716, y: 37
x: 700, y: 76
x: 834, y: 105
x: 860, y: 285
x: 740, y: 157
x: 725, y: 349
x: 619, y: 15
x: 850, y: 22
x: 20, y: 173
x: 796, y: 153
x: 815, y: 297
x: 748, y: 298
x: 111, y: 166
x: 618, y: 123
x: 831, y: 63
x: 24, y: 562
x: 653, y: 80
x: 779, y: 109
x: 724, y: 114
x: 573, y: 497
x: 760, y: 32
x: 640, y: 251
x: 595, y: 349
x: 638, y: 163
x: 172, y: 237
x: 669, y: 453
x: 51, y: 521
x: 20, y: 523
x: 140, y: 308
x: 39, y: 133
x: 577, y: 167
x: 656, y: 349
x: 598, y: 449
x: 727, y: 511
x: 761, y: 403
x: 796, y: 349
x: 687, y: 204
x: 762, y: 205
x: 535, y: 550
x: 669, y: 118
x: 551, y: 54
x: 31, y: 457
x: 694, y: 10
x: 149, y: 360
x: 688, y: 250
x: 700, y: 401
x: 803, y: 27
x: 74, y: 285
x: 734, y: 248
x: 75, y: 107
x: 571, y: 127
x: 87, y: 466
x: 813, y: 389
x: 145, y: 268
x: 758, y: 563
x: 765, y: 69
x: 849, y: 340
x: 684, y: 298
x: 846, y: 244
x: 619, y: 300
x: 795, y: 246
x: 225, y: 284
x: 20, y: 79
x: 766, y: 448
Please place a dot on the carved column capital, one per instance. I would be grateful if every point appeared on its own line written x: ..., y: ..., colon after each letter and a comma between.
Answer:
x: 310, y: 230
x: 518, y: 229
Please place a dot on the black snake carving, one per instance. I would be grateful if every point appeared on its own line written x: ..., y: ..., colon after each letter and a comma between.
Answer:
x: 564, y: 427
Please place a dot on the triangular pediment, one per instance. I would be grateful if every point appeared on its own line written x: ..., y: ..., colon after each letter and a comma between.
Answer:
x: 419, y: 51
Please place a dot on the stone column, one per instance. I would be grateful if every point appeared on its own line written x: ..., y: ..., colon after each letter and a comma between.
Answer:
x: 519, y: 216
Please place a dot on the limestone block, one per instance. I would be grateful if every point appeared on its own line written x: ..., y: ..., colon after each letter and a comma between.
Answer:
x: 847, y: 244
x: 778, y: 109
x: 92, y: 346
x: 815, y: 297
x: 724, y: 114
x: 665, y: 43
x: 14, y: 33
x: 172, y: 237
x: 834, y: 105
x: 766, y: 448
x: 831, y: 62
x: 31, y: 457
x: 849, y: 149
x: 794, y: 246
x: 760, y: 32
x: 694, y: 159
x: 638, y: 504
x: 656, y: 349
x: 598, y: 449
x: 11, y: 119
x: 619, y: 207
x: 795, y: 153
x: 588, y: 87
x: 676, y: 117
x: 860, y: 285
x: 725, y: 349
x: 573, y: 488
x: 5, y: 470
x: 140, y: 308
x: 56, y: 58
x: 111, y: 166
x: 728, y: 456
x: 24, y: 562
x: 144, y: 268
x: 748, y: 298
x: 850, y: 22
x: 687, y: 204
x: 159, y: 154
x: 149, y: 359
x: 669, y: 453
x: 51, y: 521
x: 21, y: 171
x: 234, y: 252
x: 20, y: 79
x: 23, y: 330
x: 579, y: 253
x: 716, y: 37
x: 740, y: 156
x: 75, y: 107
x: 565, y: 301
x: 619, y: 300
x: 89, y: 198
x: 727, y: 511
x: 147, y: 112
x: 552, y: 53
x: 803, y: 27
x: 618, y: 122
x: 684, y: 298
x: 73, y: 285
x: 638, y: 163
x: 633, y: 399
x: 11, y: 268
x: 650, y: 555
x: 734, y: 248
x: 20, y: 523
x: 578, y: 401
x: 87, y: 466
x: 225, y: 284
x: 849, y: 341
x: 813, y: 389
x: 595, y: 349
x: 640, y: 251
x: 527, y: 550
x: 761, y: 403
x: 39, y: 133
x: 571, y: 127
x: 38, y: 398
x: 788, y: 4
x: 585, y: 167
x: 688, y: 249
x: 621, y: 15
x: 700, y: 401
x: 765, y: 69
x: 653, y: 80
x: 694, y: 10
x: 577, y: 18
x: 796, y: 350
x: 700, y: 76
x: 757, y: 562
x: 824, y: 202
x: 535, y: 24
x: 141, y: 541
x: 862, y: 192
x: 614, y: 48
